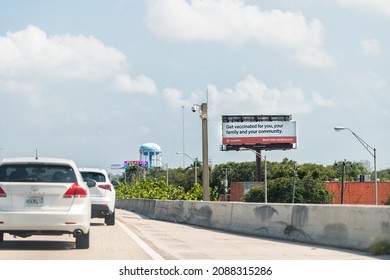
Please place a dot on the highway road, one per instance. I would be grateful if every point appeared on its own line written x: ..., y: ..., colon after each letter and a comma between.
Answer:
x: 137, y: 238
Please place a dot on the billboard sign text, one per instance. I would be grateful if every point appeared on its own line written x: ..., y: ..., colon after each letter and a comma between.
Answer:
x: 273, y: 132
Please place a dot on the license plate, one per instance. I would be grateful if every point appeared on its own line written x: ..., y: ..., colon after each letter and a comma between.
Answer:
x: 34, y: 201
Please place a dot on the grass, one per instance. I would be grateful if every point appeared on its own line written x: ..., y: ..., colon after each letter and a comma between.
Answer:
x: 380, y: 247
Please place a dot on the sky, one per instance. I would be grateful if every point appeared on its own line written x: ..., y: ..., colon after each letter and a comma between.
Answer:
x: 94, y: 80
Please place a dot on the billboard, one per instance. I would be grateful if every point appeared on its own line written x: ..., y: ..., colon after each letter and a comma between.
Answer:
x: 127, y: 163
x: 141, y: 163
x: 258, y: 131
x: 117, y: 166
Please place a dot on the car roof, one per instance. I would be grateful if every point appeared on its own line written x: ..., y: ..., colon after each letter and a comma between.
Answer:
x: 19, y: 160
x: 92, y: 169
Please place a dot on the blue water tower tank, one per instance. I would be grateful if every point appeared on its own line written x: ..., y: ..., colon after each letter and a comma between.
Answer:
x: 150, y: 152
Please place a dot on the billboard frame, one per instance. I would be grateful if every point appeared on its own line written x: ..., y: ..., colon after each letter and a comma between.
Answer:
x: 285, y: 144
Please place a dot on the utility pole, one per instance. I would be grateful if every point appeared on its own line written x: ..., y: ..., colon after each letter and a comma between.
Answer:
x: 343, y: 165
x: 205, y: 148
x: 205, y: 153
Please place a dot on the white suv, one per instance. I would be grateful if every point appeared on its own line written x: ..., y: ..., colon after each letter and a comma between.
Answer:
x: 102, y: 194
x: 44, y: 196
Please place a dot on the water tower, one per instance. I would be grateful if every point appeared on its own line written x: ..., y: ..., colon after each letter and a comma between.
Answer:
x: 152, y: 153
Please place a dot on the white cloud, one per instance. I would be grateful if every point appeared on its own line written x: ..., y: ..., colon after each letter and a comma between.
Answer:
x: 320, y: 101
x: 13, y: 86
x: 31, y: 52
x: 313, y: 57
x: 371, y: 47
x: 234, y: 22
x: 174, y: 97
x: 144, y: 130
x: 32, y: 57
x: 376, y: 6
x: 372, y: 81
x: 141, y: 83
x: 251, y: 96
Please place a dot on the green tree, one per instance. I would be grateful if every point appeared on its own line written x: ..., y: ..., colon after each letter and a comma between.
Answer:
x: 131, y: 173
x: 352, y: 170
x: 283, y: 169
x: 234, y: 172
x: 280, y: 190
x: 314, y: 191
x: 384, y: 175
x: 309, y: 178
x: 255, y: 194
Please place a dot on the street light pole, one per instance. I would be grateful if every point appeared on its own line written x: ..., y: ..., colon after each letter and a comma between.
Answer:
x: 166, y: 164
x: 265, y: 179
x: 265, y: 171
x: 294, y: 180
x: 372, y: 152
x: 195, y: 160
x: 226, y: 183
x: 182, y: 107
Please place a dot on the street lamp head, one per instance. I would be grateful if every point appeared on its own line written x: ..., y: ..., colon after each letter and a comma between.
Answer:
x: 338, y: 128
x: 184, y: 154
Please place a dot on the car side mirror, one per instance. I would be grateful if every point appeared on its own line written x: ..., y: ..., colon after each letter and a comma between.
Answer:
x: 90, y: 183
x: 115, y: 183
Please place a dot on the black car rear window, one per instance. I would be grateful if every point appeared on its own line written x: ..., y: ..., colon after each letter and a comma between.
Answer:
x: 37, y: 173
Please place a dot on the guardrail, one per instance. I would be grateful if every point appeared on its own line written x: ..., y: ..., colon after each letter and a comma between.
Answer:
x: 343, y: 226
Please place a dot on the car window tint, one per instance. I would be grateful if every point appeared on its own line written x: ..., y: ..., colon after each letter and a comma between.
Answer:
x: 98, y: 177
x: 36, y: 173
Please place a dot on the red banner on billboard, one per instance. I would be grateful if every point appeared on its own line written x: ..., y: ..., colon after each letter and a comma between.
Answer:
x: 259, y: 140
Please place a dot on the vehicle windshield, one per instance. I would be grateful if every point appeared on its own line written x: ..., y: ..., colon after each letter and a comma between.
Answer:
x: 37, y: 173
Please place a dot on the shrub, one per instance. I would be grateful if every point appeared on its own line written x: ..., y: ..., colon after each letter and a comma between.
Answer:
x: 380, y: 247
x: 255, y: 194
x: 153, y: 189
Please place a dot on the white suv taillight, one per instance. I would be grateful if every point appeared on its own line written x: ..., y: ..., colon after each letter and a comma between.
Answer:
x: 2, y: 193
x: 75, y: 191
x: 105, y: 187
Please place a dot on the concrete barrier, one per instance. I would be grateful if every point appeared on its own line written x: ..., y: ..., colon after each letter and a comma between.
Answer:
x: 343, y: 226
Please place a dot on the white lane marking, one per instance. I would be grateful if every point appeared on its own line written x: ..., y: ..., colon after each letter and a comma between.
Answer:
x: 152, y: 253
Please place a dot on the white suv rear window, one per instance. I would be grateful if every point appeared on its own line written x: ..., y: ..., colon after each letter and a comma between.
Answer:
x: 98, y: 177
